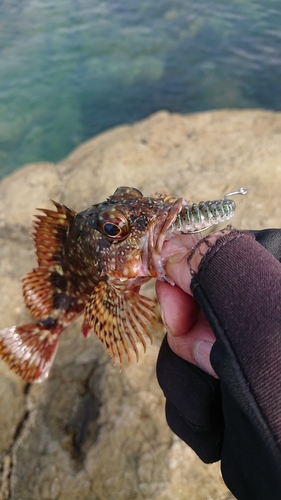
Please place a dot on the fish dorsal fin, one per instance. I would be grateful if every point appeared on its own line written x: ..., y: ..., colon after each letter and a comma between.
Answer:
x: 41, y: 285
x: 38, y: 292
x: 119, y: 318
x: 50, y: 231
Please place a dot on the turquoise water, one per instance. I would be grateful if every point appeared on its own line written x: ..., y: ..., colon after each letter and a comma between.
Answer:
x: 70, y: 69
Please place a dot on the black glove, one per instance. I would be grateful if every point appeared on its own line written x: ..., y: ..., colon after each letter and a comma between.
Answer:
x: 269, y: 239
x: 237, y: 418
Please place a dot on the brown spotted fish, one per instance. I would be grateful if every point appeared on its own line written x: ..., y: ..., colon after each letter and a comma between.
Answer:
x: 94, y: 262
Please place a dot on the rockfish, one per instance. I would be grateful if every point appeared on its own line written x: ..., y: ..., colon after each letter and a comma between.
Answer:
x: 94, y: 262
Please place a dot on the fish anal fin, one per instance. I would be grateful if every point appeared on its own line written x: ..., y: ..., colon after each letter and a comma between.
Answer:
x: 119, y: 318
x: 29, y: 350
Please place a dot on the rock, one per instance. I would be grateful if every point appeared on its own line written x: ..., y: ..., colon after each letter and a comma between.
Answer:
x: 89, y: 431
x: 31, y: 186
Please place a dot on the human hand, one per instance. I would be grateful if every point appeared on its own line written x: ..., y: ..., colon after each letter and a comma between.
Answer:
x: 188, y: 332
x: 236, y: 279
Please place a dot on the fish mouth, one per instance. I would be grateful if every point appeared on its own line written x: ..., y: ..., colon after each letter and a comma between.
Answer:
x: 155, y: 249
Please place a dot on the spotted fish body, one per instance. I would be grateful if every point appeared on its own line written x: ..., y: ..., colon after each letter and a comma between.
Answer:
x: 94, y: 262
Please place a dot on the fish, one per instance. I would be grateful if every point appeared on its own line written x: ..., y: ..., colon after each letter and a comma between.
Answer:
x: 94, y: 263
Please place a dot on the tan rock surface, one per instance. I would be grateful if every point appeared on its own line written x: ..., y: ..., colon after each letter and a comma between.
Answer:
x: 90, y: 432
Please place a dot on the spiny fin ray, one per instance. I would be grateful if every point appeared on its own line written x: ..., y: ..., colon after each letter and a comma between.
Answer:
x: 50, y: 231
x: 41, y: 286
x: 38, y: 291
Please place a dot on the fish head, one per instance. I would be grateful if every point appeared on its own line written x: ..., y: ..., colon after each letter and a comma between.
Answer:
x: 125, y: 234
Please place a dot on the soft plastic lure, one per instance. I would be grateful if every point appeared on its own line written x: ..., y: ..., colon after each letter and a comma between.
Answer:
x: 198, y: 217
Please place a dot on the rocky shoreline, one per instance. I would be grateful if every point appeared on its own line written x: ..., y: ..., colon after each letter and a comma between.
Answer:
x: 90, y: 432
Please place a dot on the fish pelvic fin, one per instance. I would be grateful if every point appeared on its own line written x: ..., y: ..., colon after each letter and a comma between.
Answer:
x: 120, y: 318
x: 42, y: 285
x: 29, y: 350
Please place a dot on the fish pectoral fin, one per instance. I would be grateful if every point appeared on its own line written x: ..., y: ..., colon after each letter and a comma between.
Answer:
x: 29, y: 350
x: 119, y: 318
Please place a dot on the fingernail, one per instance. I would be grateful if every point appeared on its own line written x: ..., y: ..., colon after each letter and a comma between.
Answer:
x: 202, y: 352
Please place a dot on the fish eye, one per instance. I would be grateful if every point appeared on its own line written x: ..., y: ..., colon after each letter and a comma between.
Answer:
x: 113, y: 224
x: 112, y: 229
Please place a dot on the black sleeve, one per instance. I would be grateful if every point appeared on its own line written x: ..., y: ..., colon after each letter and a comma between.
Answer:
x: 238, y: 418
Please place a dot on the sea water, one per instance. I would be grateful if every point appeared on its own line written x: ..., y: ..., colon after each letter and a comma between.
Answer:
x: 70, y: 69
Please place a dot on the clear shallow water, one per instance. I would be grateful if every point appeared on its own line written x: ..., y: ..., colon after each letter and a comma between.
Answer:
x: 70, y: 69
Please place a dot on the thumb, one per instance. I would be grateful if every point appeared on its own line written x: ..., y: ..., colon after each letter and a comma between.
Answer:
x: 189, y: 334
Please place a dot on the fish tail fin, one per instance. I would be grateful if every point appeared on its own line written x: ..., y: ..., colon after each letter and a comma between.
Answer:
x: 30, y: 349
